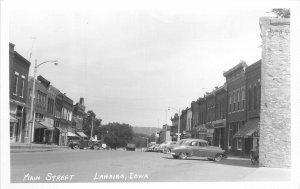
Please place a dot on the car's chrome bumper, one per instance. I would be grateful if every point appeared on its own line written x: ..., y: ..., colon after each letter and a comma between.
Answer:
x: 172, y: 153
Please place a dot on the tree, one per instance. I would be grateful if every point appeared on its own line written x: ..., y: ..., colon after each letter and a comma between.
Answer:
x: 87, y: 123
x: 115, y: 134
x: 281, y: 12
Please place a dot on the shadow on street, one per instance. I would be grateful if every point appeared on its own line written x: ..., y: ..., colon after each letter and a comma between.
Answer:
x: 189, y: 158
x: 236, y: 162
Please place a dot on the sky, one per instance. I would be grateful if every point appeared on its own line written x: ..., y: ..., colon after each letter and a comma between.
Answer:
x: 131, y: 61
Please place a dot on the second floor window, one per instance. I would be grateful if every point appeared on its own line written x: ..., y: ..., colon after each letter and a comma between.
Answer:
x: 16, y: 78
x: 22, y: 86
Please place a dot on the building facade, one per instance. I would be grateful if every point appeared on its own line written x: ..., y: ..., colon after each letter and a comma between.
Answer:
x: 248, y: 133
x: 42, y: 126
x: 201, y: 130
x: 66, y: 123
x: 18, y: 76
x: 78, y: 114
x: 236, y: 109
x: 195, y: 109
x: 219, y: 124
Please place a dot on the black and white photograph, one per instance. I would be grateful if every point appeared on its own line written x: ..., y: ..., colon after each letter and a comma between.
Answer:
x: 133, y: 93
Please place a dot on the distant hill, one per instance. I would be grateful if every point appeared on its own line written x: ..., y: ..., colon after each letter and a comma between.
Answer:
x: 146, y: 130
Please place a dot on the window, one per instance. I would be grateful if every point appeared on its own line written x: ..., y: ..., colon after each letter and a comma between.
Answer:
x: 238, y: 99
x: 230, y: 102
x: 22, y: 86
x: 249, y: 99
x: 255, y: 98
x: 195, y: 143
x: 234, y: 99
x: 259, y: 95
x: 16, y: 76
x: 239, y: 144
x: 243, y: 98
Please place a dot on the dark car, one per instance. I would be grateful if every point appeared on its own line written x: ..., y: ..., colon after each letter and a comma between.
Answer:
x: 84, y: 143
x: 130, y: 147
x: 196, y: 147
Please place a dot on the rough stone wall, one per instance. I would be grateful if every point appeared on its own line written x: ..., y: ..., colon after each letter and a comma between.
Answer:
x: 275, y: 115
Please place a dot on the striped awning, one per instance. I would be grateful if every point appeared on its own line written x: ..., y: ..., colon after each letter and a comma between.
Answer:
x: 248, y: 129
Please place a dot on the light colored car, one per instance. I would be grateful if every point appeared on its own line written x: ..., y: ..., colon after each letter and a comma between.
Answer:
x: 196, y: 147
x: 165, y: 145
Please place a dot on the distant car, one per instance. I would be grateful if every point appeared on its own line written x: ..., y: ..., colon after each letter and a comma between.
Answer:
x: 196, y: 147
x: 167, y: 148
x: 130, y: 147
x: 164, y: 146
x: 84, y: 143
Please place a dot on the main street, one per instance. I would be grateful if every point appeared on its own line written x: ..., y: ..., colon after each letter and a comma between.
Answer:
x: 127, y: 166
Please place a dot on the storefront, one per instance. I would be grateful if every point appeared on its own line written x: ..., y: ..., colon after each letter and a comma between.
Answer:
x: 219, y: 133
x: 248, y: 136
x: 17, y: 121
x: 43, y: 131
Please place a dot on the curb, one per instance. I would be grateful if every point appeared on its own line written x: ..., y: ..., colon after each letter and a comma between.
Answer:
x: 23, y: 150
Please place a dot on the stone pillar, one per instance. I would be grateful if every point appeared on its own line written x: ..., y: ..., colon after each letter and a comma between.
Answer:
x: 275, y: 114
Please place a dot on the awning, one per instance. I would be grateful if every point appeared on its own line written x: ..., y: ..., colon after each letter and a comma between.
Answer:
x: 61, y: 130
x: 248, y: 129
x: 44, y: 125
x: 72, y: 134
x: 81, y: 134
x: 13, y: 120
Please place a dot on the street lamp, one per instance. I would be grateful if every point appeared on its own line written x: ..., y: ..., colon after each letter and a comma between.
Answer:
x: 178, y: 130
x: 33, y: 94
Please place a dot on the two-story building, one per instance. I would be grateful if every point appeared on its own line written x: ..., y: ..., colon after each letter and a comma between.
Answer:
x: 236, y: 109
x: 249, y: 133
x: 219, y: 124
x: 201, y: 130
x: 195, y: 109
x: 18, y: 76
x: 66, y: 123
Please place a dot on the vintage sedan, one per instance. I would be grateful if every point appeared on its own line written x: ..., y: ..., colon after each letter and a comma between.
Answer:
x: 196, y: 147
x: 90, y: 144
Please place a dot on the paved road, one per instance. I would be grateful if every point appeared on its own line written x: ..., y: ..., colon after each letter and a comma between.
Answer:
x: 122, y: 166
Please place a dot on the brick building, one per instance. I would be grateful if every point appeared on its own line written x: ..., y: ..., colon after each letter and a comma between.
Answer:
x: 78, y: 115
x: 236, y: 109
x: 66, y: 123
x: 248, y: 133
x: 201, y: 130
x: 219, y: 124
x: 275, y: 114
x: 195, y: 118
x: 43, y: 125
x: 18, y: 76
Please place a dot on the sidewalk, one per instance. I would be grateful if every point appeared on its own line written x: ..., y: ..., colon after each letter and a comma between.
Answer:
x: 24, y: 147
x: 269, y: 174
x: 259, y: 174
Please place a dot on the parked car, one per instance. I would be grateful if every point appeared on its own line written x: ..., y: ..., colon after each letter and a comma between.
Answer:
x: 84, y: 143
x: 152, y: 148
x: 164, y: 146
x: 130, y: 147
x: 196, y: 147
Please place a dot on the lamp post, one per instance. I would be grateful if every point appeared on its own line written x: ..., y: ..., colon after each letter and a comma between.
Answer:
x: 178, y: 130
x: 33, y: 95
x: 92, y: 127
